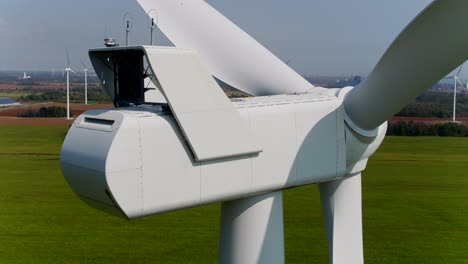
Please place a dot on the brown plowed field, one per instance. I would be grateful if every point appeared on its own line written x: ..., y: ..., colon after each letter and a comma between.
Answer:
x: 9, y: 115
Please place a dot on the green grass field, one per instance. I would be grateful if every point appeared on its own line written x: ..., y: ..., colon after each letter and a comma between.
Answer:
x: 13, y: 94
x: 415, y: 207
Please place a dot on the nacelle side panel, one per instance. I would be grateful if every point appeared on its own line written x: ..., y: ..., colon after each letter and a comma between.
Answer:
x: 150, y: 169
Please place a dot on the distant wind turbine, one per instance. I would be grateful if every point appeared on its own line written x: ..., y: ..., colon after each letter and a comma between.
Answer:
x: 456, y: 81
x: 67, y: 71
x: 85, y: 69
x: 24, y: 77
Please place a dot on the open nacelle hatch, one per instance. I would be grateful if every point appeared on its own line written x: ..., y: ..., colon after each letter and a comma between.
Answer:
x: 124, y: 74
x: 129, y: 77
x: 211, y: 125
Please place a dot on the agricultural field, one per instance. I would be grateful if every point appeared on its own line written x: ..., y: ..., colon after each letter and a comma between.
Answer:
x: 415, y: 209
x: 12, y: 94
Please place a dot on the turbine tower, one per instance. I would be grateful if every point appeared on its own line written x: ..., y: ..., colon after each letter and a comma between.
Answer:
x: 85, y: 69
x: 198, y: 147
x: 67, y: 71
x: 456, y: 81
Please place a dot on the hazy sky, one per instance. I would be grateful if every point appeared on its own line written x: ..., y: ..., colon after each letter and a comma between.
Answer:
x: 320, y: 37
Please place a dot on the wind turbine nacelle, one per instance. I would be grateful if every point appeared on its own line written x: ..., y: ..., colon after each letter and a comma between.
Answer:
x: 200, y: 147
x: 136, y: 162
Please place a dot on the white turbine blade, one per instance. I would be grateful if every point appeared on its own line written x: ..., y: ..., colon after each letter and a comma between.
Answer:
x: 425, y: 52
x: 68, y: 58
x: 459, y: 69
x: 342, y: 211
x: 74, y: 73
x: 231, y: 54
x: 458, y: 80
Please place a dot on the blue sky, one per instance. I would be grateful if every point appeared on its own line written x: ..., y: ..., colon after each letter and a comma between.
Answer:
x: 319, y: 37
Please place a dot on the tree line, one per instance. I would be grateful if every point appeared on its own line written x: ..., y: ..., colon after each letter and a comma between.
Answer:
x: 412, y: 128
x: 94, y: 95
x: 436, y: 104
x: 51, y: 111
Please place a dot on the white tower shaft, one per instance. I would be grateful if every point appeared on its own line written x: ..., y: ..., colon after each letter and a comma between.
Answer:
x: 252, y: 230
x: 86, y: 86
x: 68, y: 93
x: 342, y: 211
x: 454, y: 98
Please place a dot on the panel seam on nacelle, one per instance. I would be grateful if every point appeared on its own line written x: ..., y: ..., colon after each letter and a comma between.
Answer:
x: 337, y: 142
x: 295, y: 177
x: 251, y: 155
x: 140, y: 176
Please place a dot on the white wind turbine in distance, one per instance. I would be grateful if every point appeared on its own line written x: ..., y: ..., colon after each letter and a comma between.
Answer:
x: 456, y: 81
x: 67, y: 71
x: 85, y: 70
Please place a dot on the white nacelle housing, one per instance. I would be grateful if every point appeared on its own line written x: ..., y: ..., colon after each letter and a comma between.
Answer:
x: 199, y: 148
x: 136, y: 162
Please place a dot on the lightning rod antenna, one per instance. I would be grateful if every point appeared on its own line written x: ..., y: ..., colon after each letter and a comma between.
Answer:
x: 128, y: 24
x: 153, y: 21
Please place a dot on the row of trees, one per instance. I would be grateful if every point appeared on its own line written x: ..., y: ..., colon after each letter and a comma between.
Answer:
x: 52, y: 95
x: 94, y: 95
x: 411, y: 128
x: 436, y: 104
x: 52, y: 111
